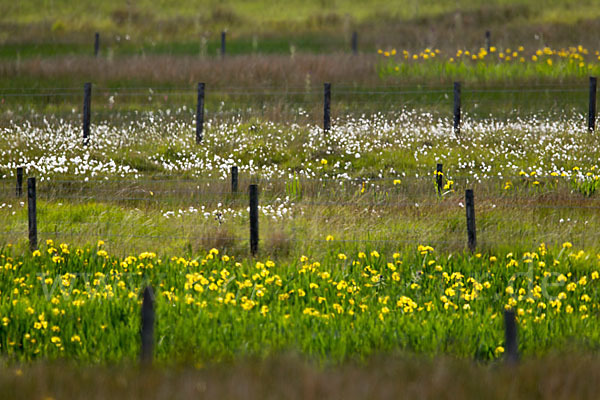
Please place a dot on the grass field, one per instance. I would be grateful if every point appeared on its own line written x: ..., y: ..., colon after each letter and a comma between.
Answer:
x: 363, y: 273
x: 49, y: 28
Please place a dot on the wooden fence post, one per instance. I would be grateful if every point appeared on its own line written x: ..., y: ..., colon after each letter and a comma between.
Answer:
x: 87, y: 104
x: 592, y: 108
x: 96, y: 44
x: 200, y: 114
x: 234, y: 179
x: 470, y: 207
x: 488, y: 40
x: 223, y: 38
x: 439, y: 178
x: 327, y: 107
x: 254, y: 219
x: 457, y: 108
x: 19, y: 181
x: 32, y: 213
x: 511, y: 346
x: 147, y: 327
x: 354, y: 43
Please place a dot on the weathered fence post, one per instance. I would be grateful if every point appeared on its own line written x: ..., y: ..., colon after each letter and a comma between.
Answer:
x: 439, y: 178
x: 87, y: 105
x: 19, y: 181
x: 200, y: 113
x: 354, y: 43
x: 223, y: 38
x: 511, y: 346
x: 147, y: 327
x: 327, y: 107
x: 96, y: 44
x: 32, y: 213
x: 234, y: 179
x: 254, y: 219
x: 457, y: 108
x: 592, y: 109
x: 488, y: 40
x: 470, y: 207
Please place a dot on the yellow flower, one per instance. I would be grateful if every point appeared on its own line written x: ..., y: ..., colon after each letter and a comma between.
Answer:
x: 569, y: 309
x: 329, y: 238
x: 264, y: 310
x: 499, y: 350
x: 567, y: 245
x: 36, y: 253
x: 323, y: 161
x: 75, y: 339
x: 397, y: 181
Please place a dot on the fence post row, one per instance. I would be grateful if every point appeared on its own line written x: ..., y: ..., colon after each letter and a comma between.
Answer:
x: 327, y: 107
x: 19, y: 181
x: 439, y: 177
x: 96, y: 44
x: 234, y: 179
x: 254, y: 219
x: 510, y: 337
x: 32, y: 214
x: 470, y: 207
x: 147, y: 327
x: 223, y: 38
x: 200, y: 113
x: 87, y: 105
x: 592, y: 108
x: 354, y: 43
x: 456, y: 108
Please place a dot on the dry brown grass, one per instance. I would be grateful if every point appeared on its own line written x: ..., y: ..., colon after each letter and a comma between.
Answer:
x: 246, y: 70
x: 553, y: 377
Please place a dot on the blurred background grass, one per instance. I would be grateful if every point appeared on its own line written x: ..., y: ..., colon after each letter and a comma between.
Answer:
x: 30, y: 28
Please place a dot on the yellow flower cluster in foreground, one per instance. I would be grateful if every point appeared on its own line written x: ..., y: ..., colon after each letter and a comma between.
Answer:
x: 61, y: 300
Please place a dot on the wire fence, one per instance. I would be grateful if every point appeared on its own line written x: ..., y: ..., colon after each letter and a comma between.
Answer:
x: 208, y: 198
x: 186, y: 217
x: 296, y: 104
